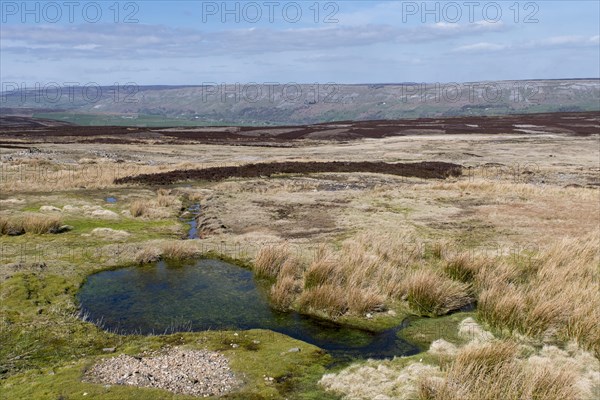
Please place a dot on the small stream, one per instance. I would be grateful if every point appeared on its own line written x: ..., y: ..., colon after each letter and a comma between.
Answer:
x: 214, y: 295
x: 190, y: 218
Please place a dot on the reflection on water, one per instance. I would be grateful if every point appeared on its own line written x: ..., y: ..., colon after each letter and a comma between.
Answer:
x: 211, y: 294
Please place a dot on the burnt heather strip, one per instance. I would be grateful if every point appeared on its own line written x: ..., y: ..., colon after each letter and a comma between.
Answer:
x: 425, y: 170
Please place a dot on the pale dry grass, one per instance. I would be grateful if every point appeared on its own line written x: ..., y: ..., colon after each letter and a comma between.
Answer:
x: 138, y: 208
x: 552, y: 296
x: 147, y: 254
x: 331, y: 299
x: 29, y: 223
x: 485, y: 368
x: 284, y: 292
x: 33, y: 175
x: 7, y: 224
x: 179, y: 250
x: 492, y: 371
x: 164, y: 205
x: 505, y: 188
x: 463, y: 266
x: 378, y: 380
x: 270, y: 259
x: 366, y: 274
x: 433, y: 294
x: 40, y: 223
x: 165, y: 199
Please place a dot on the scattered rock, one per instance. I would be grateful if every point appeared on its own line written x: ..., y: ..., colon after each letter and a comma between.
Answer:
x: 191, y: 372
x: 12, y: 201
x: 61, y: 229
x: 15, y: 231
x: 104, y: 214
x: 49, y: 209
x: 471, y: 330
x: 108, y: 349
x: 441, y: 347
x: 294, y: 350
x: 108, y: 233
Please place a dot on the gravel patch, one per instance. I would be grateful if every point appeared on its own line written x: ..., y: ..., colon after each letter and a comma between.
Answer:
x: 191, y: 372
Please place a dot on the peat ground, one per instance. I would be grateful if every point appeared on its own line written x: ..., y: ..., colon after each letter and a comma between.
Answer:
x: 425, y: 170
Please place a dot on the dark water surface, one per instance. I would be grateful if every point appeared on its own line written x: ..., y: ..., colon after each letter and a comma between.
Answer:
x: 211, y: 294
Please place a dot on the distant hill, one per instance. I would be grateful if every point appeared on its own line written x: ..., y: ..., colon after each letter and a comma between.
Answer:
x: 299, y: 104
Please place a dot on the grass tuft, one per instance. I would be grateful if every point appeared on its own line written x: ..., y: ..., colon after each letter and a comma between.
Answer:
x: 331, y: 299
x: 284, y: 292
x: 432, y: 294
x: 553, y: 296
x: 179, y: 250
x: 270, y: 260
x: 138, y: 208
x: 29, y: 223
x: 493, y: 371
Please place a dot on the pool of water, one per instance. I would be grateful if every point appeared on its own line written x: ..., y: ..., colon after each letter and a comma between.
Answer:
x: 211, y: 294
x: 111, y: 200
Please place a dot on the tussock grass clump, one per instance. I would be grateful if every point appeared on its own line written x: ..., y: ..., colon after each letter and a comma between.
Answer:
x: 180, y: 250
x: 138, y: 208
x: 6, y: 224
x: 331, y: 299
x: 292, y: 267
x: 362, y: 277
x: 147, y: 255
x: 270, y: 260
x: 336, y: 300
x: 493, y: 371
x: 361, y: 301
x: 165, y: 199
x: 322, y: 271
x: 462, y: 267
x: 30, y: 223
x: 430, y: 293
x: 163, y: 206
x: 284, y: 292
x: 556, y: 298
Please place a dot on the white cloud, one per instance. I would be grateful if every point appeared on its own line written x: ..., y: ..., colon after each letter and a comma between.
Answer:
x: 480, y: 47
x: 152, y: 41
x: 554, y: 42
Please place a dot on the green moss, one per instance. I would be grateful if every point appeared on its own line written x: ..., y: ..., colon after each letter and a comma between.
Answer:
x: 295, y: 374
x: 423, y: 331
x: 380, y: 321
x: 143, y: 228
x: 45, y: 347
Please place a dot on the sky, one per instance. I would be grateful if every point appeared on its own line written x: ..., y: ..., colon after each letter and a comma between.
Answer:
x: 199, y: 42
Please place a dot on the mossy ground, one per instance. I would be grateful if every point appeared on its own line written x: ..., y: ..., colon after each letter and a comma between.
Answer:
x: 46, y: 349
x: 47, y: 346
x: 294, y: 374
x: 423, y: 331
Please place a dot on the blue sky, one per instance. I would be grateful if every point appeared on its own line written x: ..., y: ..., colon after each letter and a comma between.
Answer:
x: 194, y: 42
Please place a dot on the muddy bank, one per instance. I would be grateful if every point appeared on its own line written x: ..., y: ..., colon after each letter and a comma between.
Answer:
x: 425, y: 170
